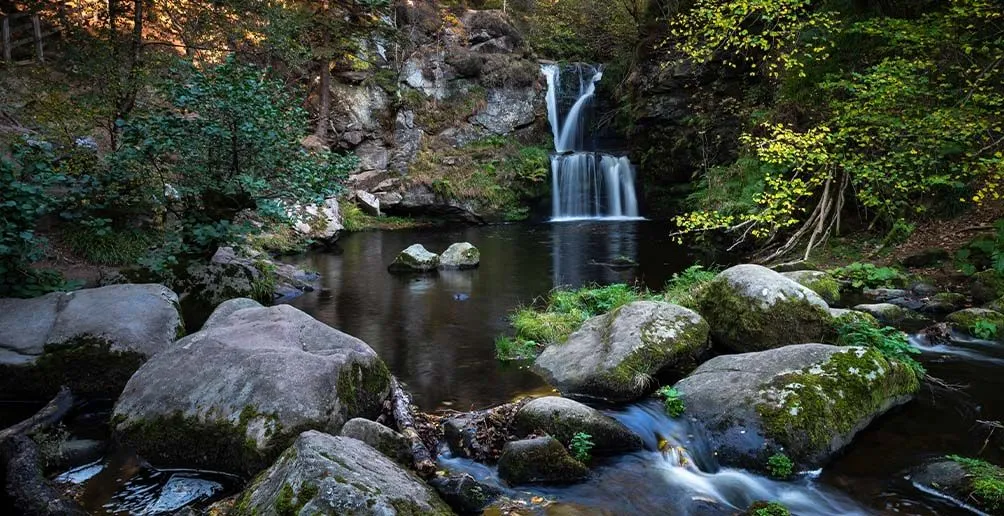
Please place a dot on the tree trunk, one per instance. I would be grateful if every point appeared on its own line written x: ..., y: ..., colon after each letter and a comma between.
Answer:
x: 421, y: 457
x: 324, y: 110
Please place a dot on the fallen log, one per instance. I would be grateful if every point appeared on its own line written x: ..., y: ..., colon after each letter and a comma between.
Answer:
x: 50, y: 414
x: 401, y: 403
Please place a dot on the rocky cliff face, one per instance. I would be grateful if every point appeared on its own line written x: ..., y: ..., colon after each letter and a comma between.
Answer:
x: 432, y: 105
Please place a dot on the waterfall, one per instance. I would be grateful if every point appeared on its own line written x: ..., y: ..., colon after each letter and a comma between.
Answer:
x: 585, y: 184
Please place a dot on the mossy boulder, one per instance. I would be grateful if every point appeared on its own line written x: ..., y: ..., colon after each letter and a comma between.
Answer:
x: 972, y: 482
x: 232, y: 396
x: 415, y: 258
x: 617, y: 356
x: 888, y: 313
x: 752, y: 308
x: 807, y: 401
x: 986, y: 286
x: 91, y: 340
x: 842, y: 316
x: 996, y: 305
x: 944, y: 302
x: 967, y: 320
x: 460, y: 256
x: 381, y: 438
x: 542, y: 460
x: 322, y: 474
x: 820, y: 282
x: 562, y: 418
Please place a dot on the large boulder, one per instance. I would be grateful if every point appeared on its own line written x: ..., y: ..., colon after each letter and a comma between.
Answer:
x: 415, y: 258
x: 321, y: 222
x: 752, y: 308
x: 970, y: 319
x: 806, y: 401
x: 323, y: 474
x: 90, y: 340
x: 819, y: 282
x: 539, y: 460
x: 384, y: 440
x: 233, y: 395
x: 460, y: 256
x: 616, y: 356
x: 562, y: 418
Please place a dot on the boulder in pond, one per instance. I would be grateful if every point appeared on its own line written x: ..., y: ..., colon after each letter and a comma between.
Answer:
x: 415, y: 258
x: 324, y: 474
x: 381, y: 438
x: 234, y: 395
x: 616, y: 356
x: 970, y: 320
x: 91, y: 340
x: 542, y: 460
x: 562, y: 418
x: 970, y: 482
x: 806, y: 401
x: 888, y: 313
x: 752, y: 308
x: 460, y: 256
x: 820, y: 282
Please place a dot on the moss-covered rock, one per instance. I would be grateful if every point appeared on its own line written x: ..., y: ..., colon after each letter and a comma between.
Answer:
x: 384, y: 440
x: 562, y: 418
x: 819, y: 282
x: 888, y: 313
x: 541, y: 460
x: 968, y: 481
x: 464, y: 493
x: 843, y: 316
x: 415, y: 258
x: 986, y: 286
x: 752, y: 308
x: 617, y: 356
x: 808, y: 400
x: 974, y: 320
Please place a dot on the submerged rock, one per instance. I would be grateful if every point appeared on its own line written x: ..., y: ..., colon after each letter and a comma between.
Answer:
x: 231, y: 396
x: 616, y: 356
x: 323, y: 474
x: 562, y: 418
x: 415, y: 258
x: 807, y: 401
x: 752, y: 308
x: 541, y: 460
x: 91, y: 340
x: 384, y: 440
x: 460, y: 256
x: 819, y: 282
x: 464, y: 493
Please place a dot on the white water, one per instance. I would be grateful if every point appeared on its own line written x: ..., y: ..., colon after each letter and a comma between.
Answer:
x: 585, y: 185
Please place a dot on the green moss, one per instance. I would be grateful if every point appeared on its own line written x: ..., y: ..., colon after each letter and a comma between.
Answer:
x: 826, y: 287
x: 951, y: 298
x: 986, y: 482
x: 408, y: 507
x: 742, y: 325
x: 803, y: 410
x: 972, y: 320
x: 362, y: 388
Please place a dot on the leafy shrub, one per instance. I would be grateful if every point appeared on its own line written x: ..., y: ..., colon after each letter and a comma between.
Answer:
x: 768, y: 509
x: 98, y: 243
x: 671, y: 401
x: 682, y: 287
x: 983, y: 329
x: 867, y: 275
x: 892, y: 343
x: 984, y: 252
x: 780, y: 466
x: 581, y: 446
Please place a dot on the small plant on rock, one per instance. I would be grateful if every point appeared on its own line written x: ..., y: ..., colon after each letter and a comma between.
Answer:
x: 892, y: 343
x: 768, y: 509
x: 671, y: 400
x: 581, y: 446
x: 780, y: 466
x: 983, y: 329
x: 681, y: 287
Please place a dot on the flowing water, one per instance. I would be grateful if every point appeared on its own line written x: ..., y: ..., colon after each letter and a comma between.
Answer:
x: 585, y: 184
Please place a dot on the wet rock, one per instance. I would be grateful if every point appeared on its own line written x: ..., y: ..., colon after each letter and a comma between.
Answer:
x: 382, y: 439
x: 751, y: 308
x: 925, y: 258
x: 541, y: 460
x: 616, y: 356
x: 562, y: 418
x: 415, y: 258
x: 368, y: 202
x: 968, y: 321
x: 923, y: 289
x: 845, y: 316
x: 909, y: 303
x: 460, y: 256
x: 969, y: 482
x: 807, y: 401
x: 986, y: 286
x: 323, y: 474
x: 231, y: 396
x: 944, y: 303
x: 464, y: 493
x: 883, y: 295
x: 77, y: 452
x: 92, y: 340
x: 819, y: 282
x: 888, y: 313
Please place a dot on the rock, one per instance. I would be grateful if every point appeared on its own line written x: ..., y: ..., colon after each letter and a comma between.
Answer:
x: 925, y: 258
x: 368, y: 202
x: 616, y: 356
x: 752, y: 308
x: 966, y: 321
x: 966, y: 481
x: 909, y: 303
x: 844, y: 316
x: 888, y: 313
x: 883, y: 295
x: 231, y: 275
x: 313, y: 143
x: 996, y: 305
x: 819, y: 282
x: 77, y: 452
x: 92, y: 340
x: 373, y: 155
x: 944, y: 303
x: 228, y: 308
x: 464, y: 493
x: 562, y: 418
x: 507, y: 110
x: 460, y: 256
x: 407, y: 141
x: 923, y: 289
x: 415, y: 259
x: 807, y: 401
x: 323, y: 474
x: 384, y: 440
x: 986, y: 286
x: 540, y: 460
x: 233, y: 395
x: 321, y: 222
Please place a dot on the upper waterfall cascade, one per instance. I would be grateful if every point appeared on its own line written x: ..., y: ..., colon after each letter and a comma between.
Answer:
x: 585, y: 183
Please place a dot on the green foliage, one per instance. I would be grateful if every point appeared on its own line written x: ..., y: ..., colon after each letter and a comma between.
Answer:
x: 100, y: 244
x: 507, y: 349
x: 983, y: 329
x: 892, y: 343
x: 987, y: 481
x: 671, y: 400
x: 682, y: 288
x: 983, y: 253
x: 780, y: 466
x: 581, y: 446
x: 867, y: 275
x: 768, y: 509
